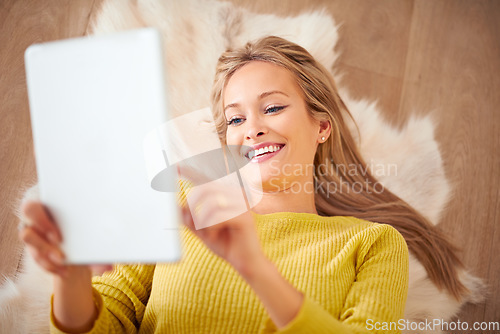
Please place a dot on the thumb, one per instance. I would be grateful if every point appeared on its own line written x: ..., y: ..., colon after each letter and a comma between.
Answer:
x: 194, y: 175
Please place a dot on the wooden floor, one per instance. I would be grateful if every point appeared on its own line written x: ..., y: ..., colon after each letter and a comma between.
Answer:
x: 437, y: 57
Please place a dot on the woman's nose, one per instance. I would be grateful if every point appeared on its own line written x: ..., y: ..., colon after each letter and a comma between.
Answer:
x: 255, y: 129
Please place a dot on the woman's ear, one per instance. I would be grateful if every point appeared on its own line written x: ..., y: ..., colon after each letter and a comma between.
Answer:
x: 325, y: 128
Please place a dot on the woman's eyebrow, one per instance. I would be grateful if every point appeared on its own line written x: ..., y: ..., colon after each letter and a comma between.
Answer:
x: 232, y: 105
x: 261, y: 96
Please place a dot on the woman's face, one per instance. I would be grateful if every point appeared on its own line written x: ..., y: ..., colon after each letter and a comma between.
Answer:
x: 266, y: 114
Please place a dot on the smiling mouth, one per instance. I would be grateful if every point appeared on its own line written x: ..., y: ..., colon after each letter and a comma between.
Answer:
x: 264, y: 151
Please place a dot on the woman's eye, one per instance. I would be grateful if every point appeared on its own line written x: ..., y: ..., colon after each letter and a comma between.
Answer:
x: 235, y: 121
x: 274, y: 109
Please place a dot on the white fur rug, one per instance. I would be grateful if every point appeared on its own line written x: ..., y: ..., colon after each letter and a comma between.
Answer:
x: 195, y: 34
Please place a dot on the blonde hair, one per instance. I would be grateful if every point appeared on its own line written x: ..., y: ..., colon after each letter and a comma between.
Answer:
x: 426, y: 242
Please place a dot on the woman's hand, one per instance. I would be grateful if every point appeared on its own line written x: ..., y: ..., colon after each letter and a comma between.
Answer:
x: 43, y: 240
x: 73, y: 307
x: 213, y: 216
x: 218, y: 215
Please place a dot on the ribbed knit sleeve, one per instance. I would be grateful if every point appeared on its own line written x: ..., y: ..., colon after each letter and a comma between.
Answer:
x: 121, y: 297
x: 376, y: 300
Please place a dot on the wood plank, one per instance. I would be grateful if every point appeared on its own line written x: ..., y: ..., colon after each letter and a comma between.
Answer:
x: 24, y: 22
x: 452, y: 74
x: 373, y: 45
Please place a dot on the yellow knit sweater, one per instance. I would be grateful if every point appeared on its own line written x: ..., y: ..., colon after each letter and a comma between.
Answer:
x: 353, y: 274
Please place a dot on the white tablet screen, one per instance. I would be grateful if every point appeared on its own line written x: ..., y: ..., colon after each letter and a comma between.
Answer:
x: 92, y: 102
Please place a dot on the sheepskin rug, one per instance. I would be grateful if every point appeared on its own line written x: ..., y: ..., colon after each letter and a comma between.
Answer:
x: 195, y: 33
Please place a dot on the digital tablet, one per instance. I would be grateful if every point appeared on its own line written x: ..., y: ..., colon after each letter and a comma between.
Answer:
x: 93, y: 100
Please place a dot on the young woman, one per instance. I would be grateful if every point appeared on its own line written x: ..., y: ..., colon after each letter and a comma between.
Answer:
x: 317, y: 253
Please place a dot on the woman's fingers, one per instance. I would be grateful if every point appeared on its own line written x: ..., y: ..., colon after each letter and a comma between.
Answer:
x: 42, y: 238
x: 192, y: 174
x: 211, y: 205
x: 189, y: 222
x: 41, y: 220
x: 99, y: 269
x: 47, y: 255
x: 187, y: 218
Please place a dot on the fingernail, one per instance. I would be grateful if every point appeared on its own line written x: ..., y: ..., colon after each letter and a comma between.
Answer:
x: 53, y: 238
x: 56, y: 258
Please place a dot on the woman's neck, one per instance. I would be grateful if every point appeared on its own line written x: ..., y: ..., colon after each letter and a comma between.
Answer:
x: 288, y: 200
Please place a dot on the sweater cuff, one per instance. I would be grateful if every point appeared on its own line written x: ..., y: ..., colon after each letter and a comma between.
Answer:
x: 98, y: 326
x: 313, y: 319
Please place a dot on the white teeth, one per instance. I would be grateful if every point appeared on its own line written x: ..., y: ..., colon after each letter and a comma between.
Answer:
x: 263, y: 150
